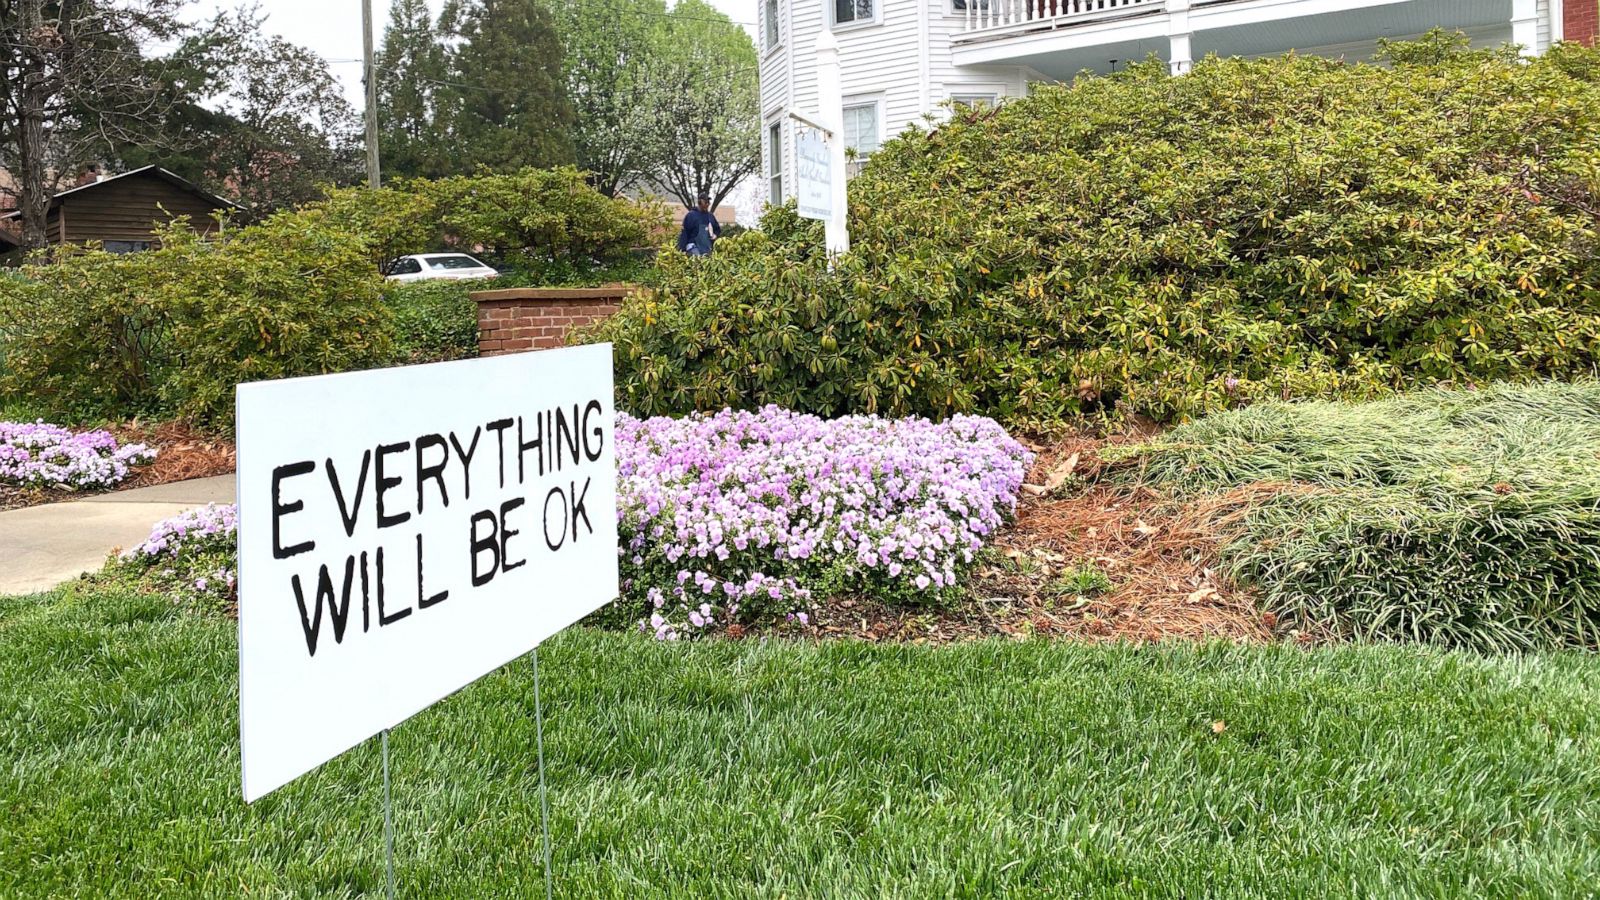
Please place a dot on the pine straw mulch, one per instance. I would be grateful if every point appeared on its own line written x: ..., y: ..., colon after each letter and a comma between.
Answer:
x: 182, y: 453
x: 1159, y: 555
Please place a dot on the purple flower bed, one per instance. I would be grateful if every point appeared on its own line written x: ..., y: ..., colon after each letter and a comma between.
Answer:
x: 741, y: 516
x: 214, y: 523
x: 192, y: 556
x: 744, y: 516
x: 39, y: 455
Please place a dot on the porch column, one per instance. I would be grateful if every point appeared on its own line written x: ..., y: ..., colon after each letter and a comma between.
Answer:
x: 1180, y: 56
x: 1525, y: 25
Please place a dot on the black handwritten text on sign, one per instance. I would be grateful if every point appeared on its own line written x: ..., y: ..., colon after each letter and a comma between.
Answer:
x: 404, y: 531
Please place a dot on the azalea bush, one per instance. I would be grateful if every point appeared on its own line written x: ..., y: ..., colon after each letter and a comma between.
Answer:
x: 747, y: 516
x: 172, y: 331
x: 41, y: 455
x: 538, y: 221
x: 192, y: 557
x: 1258, y: 229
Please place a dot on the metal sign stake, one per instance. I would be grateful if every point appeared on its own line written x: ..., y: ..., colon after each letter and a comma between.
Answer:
x: 388, y: 819
x: 544, y: 803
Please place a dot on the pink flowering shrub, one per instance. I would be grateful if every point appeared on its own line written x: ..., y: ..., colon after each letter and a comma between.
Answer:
x: 192, y: 556
x: 745, y: 516
x: 36, y: 454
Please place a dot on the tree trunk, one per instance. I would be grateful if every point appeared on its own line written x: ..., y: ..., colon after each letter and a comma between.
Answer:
x: 33, y: 199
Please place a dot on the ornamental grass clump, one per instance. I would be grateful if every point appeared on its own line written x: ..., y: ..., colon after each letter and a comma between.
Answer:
x: 40, y: 455
x: 1463, y: 518
x: 747, y: 516
x: 192, y: 557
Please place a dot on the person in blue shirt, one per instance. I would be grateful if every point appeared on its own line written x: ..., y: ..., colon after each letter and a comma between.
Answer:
x: 700, y: 229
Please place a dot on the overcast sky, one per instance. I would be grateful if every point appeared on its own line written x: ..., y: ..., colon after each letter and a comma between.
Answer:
x: 332, y: 28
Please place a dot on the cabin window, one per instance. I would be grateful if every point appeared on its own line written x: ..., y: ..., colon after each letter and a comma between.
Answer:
x: 775, y: 163
x: 125, y: 246
x: 847, y: 12
x: 771, y: 7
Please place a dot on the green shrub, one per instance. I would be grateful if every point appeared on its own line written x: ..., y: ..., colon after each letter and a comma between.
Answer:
x: 171, y: 331
x: 1291, y: 227
x: 638, y: 267
x: 1463, y: 518
x: 532, y: 219
x: 79, y: 337
x: 434, y: 320
x: 765, y: 321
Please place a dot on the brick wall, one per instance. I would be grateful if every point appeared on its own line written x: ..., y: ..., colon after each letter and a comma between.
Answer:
x: 518, y: 319
x: 1580, y: 21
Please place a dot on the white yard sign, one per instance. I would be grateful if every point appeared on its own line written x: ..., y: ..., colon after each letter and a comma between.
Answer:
x: 814, y: 168
x: 402, y: 532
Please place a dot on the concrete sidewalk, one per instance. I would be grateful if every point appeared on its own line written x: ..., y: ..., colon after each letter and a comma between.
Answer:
x: 42, y: 546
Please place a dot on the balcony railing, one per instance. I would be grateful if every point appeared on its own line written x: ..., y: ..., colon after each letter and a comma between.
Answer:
x: 985, y: 16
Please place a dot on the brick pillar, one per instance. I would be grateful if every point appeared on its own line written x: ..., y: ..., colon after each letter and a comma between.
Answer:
x: 518, y: 319
x: 1580, y: 21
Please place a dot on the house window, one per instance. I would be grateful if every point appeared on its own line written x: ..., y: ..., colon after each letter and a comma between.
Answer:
x: 861, y: 128
x: 861, y: 133
x: 771, y: 7
x: 846, y: 12
x: 132, y: 246
x: 775, y: 163
x: 964, y: 5
x: 972, y: 101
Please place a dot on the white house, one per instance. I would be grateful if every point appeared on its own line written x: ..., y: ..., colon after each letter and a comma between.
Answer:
x: 903, y: 59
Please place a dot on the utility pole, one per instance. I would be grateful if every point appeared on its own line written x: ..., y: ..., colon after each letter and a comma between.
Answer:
x: 370, y: 77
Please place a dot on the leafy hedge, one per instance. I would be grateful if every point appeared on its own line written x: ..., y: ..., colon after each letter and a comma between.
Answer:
x: 537, y: 222
x: 433, y: 320
x: 1462, y: 518
x: 1291, y: 227
x: 171, y: 331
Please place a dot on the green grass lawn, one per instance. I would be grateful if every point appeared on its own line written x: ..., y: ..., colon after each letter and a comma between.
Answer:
x: 727, y: 769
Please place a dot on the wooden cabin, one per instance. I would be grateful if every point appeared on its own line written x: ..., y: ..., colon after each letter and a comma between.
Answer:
x: 121, y: 210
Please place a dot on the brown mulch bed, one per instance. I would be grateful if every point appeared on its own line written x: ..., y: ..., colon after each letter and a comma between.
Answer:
x: 1160, y: 557
x: 182, y: 454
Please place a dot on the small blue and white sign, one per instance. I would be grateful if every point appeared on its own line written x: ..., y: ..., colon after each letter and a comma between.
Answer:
x: 814, y: 168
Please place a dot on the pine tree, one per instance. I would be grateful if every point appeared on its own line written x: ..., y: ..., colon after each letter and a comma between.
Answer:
x: 505, y: 106
x: 411, y: 71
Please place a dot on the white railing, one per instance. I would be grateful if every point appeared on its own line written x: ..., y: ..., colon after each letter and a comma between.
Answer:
x: 985, y: 14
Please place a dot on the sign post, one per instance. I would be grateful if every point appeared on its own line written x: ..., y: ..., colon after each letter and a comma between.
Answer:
x: 544, y: 803
x: 820, y: 152
x: 405, y: 531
